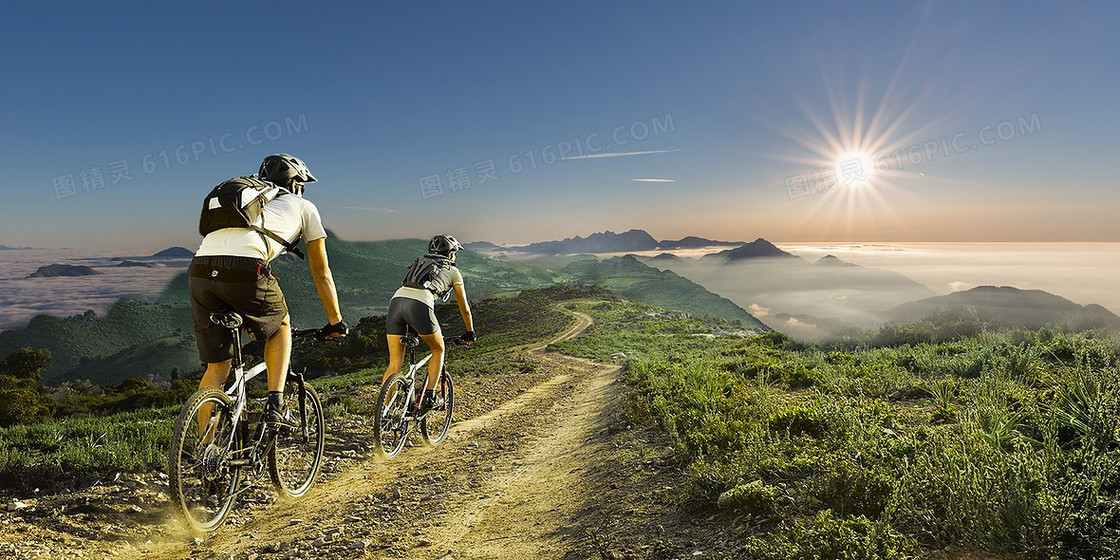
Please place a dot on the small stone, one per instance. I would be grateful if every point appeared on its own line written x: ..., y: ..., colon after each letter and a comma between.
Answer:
x: 295, y: 521
x: 423, y: 542
x: 16, y: 506
x: 194, y: 542
x: 359, y: 544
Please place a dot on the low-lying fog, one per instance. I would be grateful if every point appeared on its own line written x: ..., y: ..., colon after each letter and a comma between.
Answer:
x: 1081, y: 272
x: 22, y: 298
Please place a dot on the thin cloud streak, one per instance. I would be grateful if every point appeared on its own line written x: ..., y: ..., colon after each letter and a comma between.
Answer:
x: 619, y: 154
x: 655, y: 180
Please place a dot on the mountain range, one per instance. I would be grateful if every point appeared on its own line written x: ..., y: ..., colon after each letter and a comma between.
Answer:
x: 1006, y: 306
x: 631, y: 241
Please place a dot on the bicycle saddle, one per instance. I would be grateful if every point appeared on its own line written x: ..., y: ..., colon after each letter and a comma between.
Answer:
x: 231, y: 320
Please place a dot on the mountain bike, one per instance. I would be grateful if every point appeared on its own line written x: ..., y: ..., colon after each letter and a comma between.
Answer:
x: 221, y: 442
x: 398, y: 403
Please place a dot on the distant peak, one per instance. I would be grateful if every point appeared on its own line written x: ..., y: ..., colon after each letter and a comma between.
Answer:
x: 599, y: 242
x: 757, y: 248
x: 174, y: 252
x: 832, y: 260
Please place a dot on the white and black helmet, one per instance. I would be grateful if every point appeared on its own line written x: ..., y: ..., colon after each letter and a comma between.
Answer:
x: 443, y: 244
x: 281, y: 168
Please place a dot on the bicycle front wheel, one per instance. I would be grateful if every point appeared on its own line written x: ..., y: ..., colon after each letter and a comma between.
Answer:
x: 202, y: 484
x: 390, y: 430
x: 297, y: 453
x: 434, y: 426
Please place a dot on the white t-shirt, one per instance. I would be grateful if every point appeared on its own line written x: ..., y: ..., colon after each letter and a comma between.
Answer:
x: 286, y: 215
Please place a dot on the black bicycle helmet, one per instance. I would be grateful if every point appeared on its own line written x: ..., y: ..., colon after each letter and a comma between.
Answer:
x: 281, y: 168
x: 443, y: 244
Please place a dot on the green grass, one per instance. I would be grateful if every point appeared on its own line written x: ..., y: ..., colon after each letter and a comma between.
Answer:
x: 45, y: 454
x: 891, y: 444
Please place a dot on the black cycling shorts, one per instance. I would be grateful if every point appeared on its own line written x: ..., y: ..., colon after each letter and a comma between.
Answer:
x: 406, y: 312
x: 224, y: 284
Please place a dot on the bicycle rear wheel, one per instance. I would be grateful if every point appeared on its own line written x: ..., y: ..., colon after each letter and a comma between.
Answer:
x: 434, y: 426
x: 390, y: 429
x: 202, y: 485
x: 296, y: 454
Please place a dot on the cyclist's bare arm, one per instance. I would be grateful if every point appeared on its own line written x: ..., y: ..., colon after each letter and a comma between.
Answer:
x: 464, y: 307
x: 324, y: 281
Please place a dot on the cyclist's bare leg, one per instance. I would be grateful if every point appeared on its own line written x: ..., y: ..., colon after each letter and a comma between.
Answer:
x: 396, y: 356
x: 215, y: 376
x: 278, y: 354
x: 435, y: 343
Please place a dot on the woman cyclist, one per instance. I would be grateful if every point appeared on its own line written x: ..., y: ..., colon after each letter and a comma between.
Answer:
x: 413, y: 305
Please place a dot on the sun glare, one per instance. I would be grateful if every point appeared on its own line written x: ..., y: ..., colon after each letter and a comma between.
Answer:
x: 849, y: 160
x: 854, y: 168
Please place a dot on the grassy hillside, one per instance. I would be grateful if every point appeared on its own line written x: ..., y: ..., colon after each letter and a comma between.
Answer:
x: 999, y: 444
x: 639, y: 282
x: 157, y: 358
x: 128, y: 323
x: 1008, y: 306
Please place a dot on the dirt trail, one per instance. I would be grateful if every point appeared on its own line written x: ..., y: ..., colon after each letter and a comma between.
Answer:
x: 524, y: 480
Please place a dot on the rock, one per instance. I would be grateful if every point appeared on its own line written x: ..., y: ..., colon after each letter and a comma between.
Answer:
x: 195, y: 541
x: 361, y: 544
x: 16, y: 506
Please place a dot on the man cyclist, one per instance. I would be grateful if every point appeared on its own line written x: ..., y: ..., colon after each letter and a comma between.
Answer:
x: 230, y: 272
x: 413, y: 305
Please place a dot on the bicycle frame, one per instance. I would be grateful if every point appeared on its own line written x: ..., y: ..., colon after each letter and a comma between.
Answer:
x: 411, y: 343
x: 239, y: 393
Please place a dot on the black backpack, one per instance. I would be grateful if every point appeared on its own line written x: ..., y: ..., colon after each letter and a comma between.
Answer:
x: 237, y: 203
x: 424, y: 269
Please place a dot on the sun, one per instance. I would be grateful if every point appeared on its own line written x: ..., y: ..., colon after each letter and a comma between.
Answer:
x: 854, y: 169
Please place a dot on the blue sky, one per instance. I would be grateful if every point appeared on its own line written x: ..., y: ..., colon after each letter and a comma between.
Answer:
x: 402, y: 110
